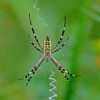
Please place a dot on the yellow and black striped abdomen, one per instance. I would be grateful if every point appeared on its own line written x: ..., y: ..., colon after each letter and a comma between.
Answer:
x: 47, y: 45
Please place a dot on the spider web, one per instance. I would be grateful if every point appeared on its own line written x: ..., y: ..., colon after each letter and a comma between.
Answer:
x: 17, y: 54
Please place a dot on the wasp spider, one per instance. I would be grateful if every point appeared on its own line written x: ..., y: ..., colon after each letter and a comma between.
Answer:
x: 47, y: 51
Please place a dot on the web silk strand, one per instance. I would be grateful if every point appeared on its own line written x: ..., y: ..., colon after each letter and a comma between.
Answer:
x: 53, y: 87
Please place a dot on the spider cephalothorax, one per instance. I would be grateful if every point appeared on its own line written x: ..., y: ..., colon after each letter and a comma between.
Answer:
x: 47, y: 51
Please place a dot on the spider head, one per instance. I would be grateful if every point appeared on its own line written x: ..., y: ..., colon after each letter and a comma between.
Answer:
x: 47, y: 45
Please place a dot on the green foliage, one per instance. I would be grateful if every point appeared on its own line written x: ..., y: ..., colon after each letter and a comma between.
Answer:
x: 81, y: 55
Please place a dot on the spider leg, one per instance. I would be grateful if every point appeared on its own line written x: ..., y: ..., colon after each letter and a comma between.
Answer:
x: 71, y: 74
x: 61, y: 35
x: 34, y: 44
x: 34, y: 33
x: 34, y: 69
x: 64, y: 72
x: 61, y: 46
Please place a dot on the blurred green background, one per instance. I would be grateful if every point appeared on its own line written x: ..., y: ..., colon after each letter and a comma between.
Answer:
x: 81, y: 54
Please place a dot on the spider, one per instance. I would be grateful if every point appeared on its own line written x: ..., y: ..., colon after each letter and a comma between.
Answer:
x: 47, y: 51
